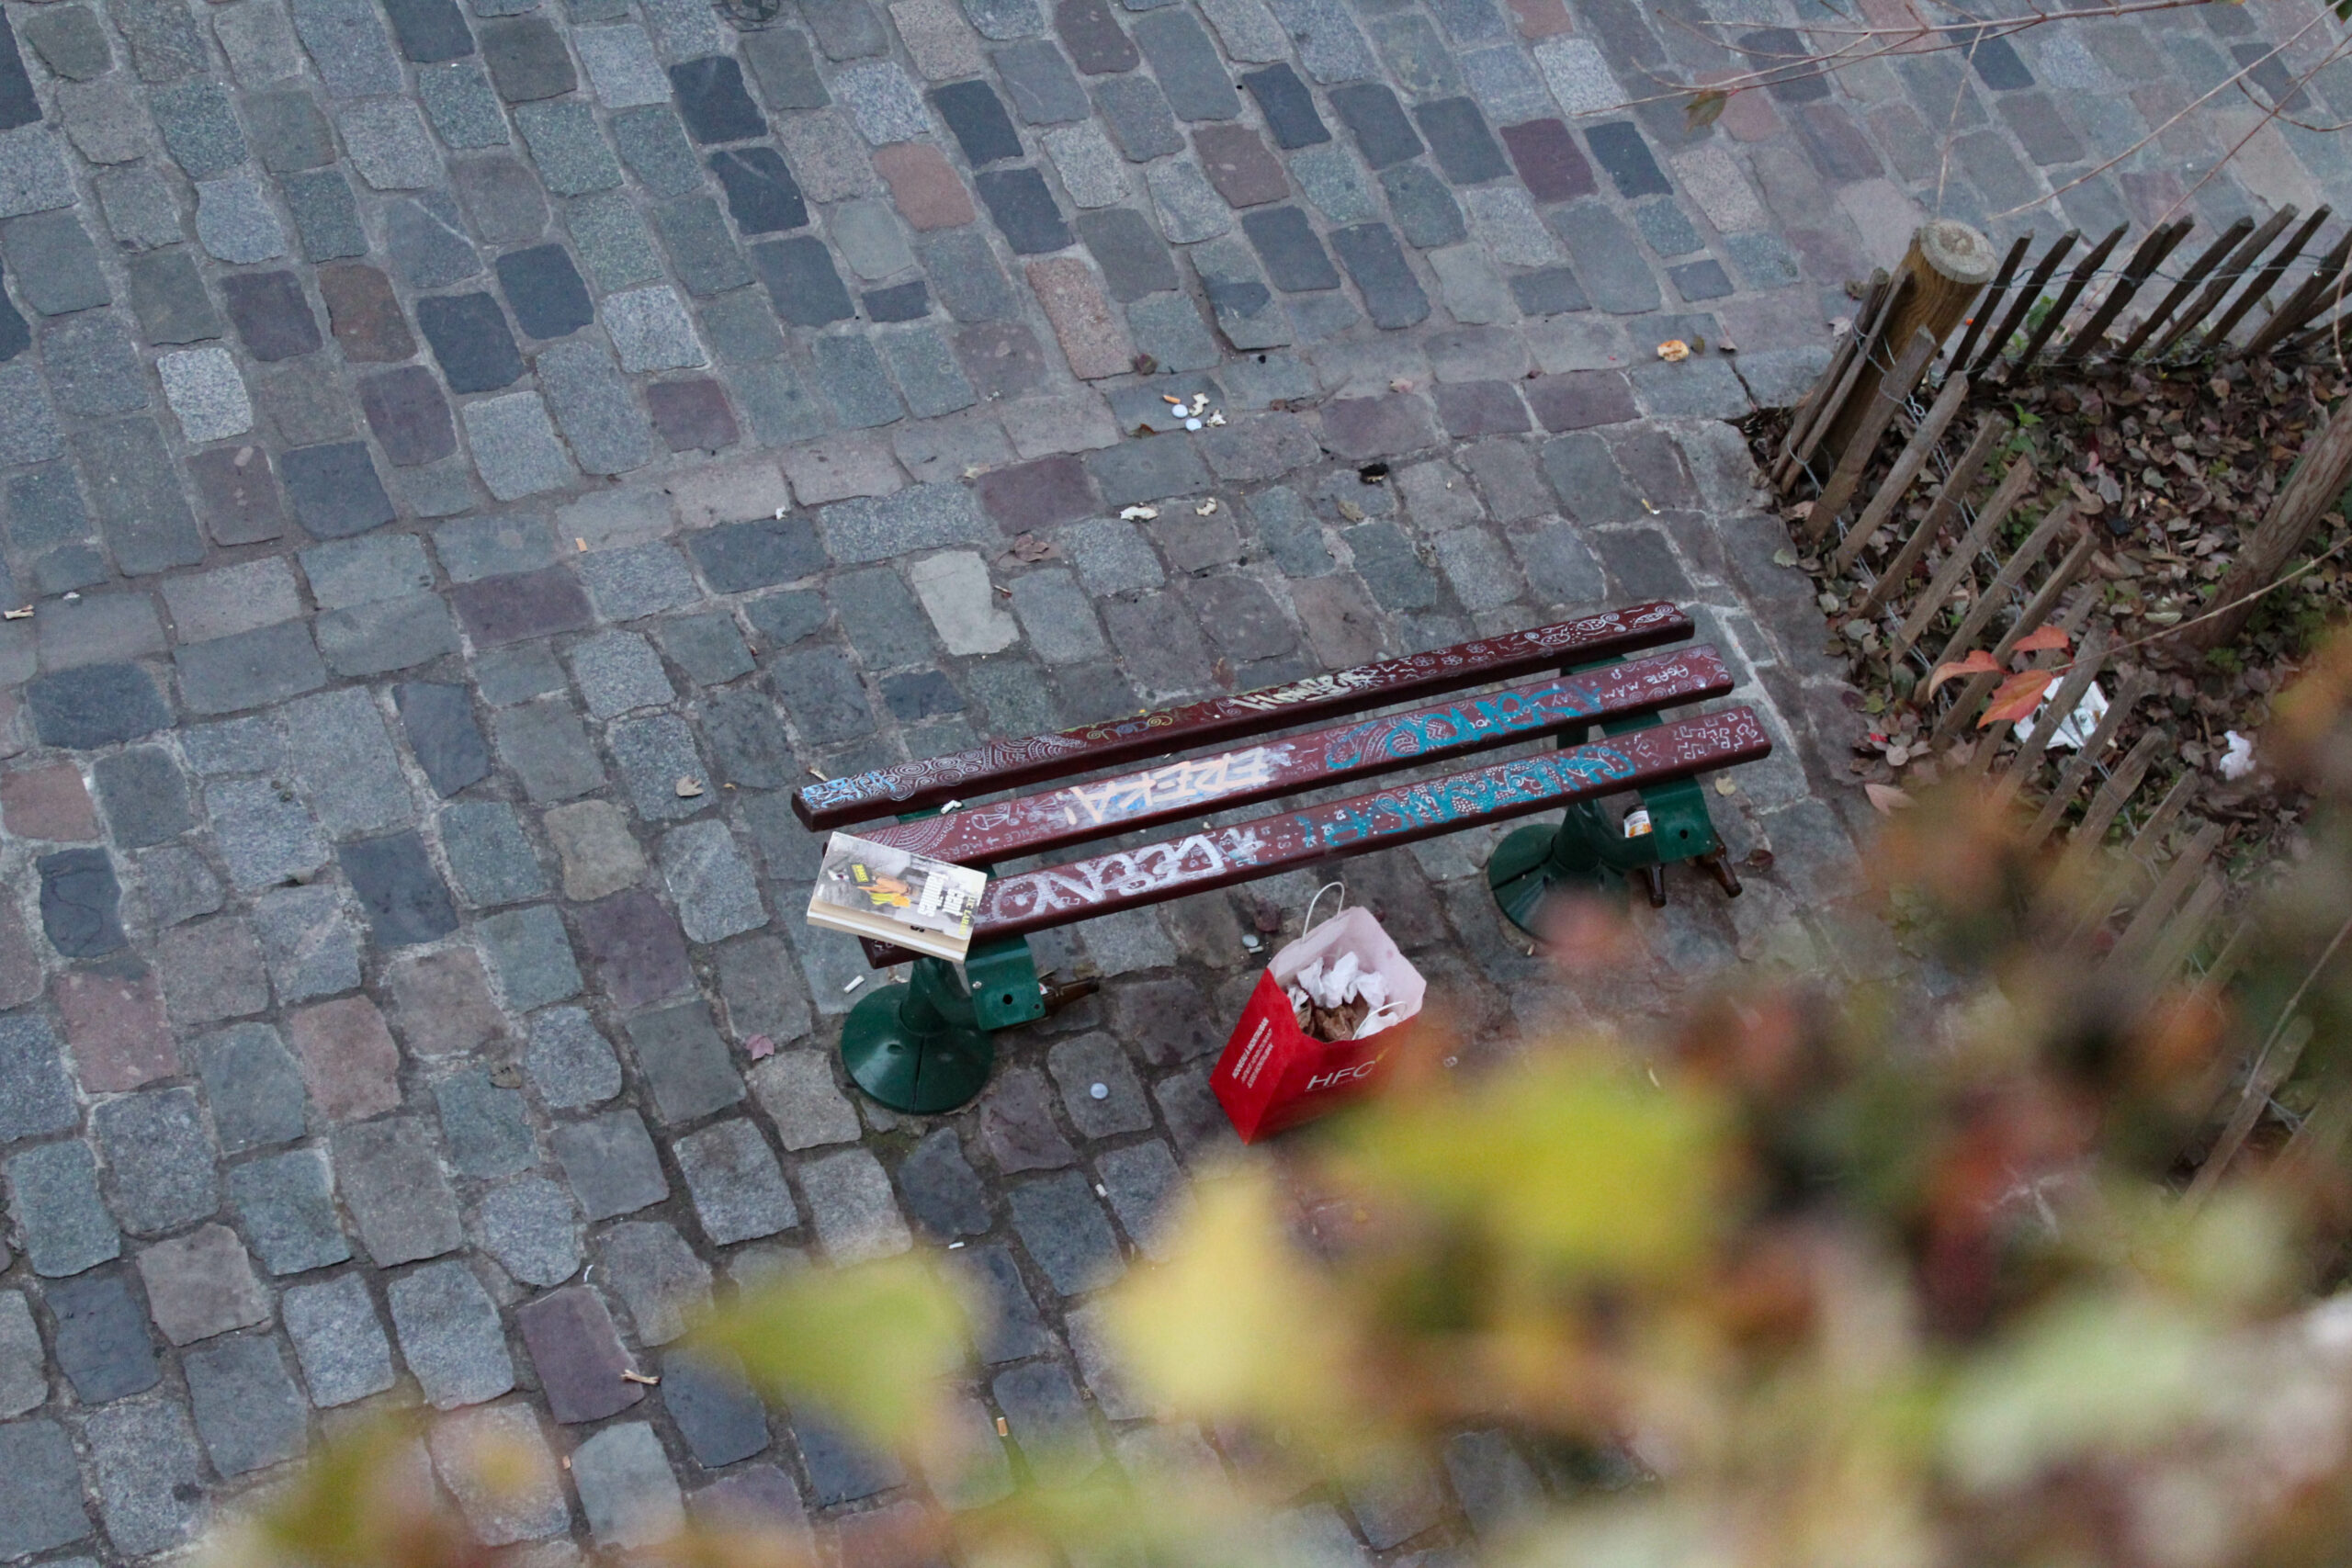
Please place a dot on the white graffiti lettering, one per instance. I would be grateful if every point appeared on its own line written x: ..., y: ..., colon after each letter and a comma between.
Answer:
x: 1127, y: 874
x: 1180, y: 784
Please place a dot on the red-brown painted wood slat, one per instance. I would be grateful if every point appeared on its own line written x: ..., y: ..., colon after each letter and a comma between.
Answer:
x: 1290, y: 841
x: 1076, y: 814
x: 1009, y: 764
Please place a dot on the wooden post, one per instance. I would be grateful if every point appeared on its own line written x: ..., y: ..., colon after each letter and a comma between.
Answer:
x: 1949, y: 264
x: 2310, y: 491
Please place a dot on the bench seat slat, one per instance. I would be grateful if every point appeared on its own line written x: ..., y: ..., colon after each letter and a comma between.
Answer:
x: 1010, y: 764
x: 1171, y: 792
x: 1266, y: 846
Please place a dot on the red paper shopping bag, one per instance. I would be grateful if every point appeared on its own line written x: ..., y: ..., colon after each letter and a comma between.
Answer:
x: 1273, y: 1074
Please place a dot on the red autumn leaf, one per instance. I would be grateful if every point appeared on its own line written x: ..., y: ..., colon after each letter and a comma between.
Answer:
x: 1977, y: 663
x: 2017, y: 696
x: 2041, y: 638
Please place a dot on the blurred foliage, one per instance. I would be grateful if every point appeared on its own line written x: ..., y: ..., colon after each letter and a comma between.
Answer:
x: 1893, y: 1265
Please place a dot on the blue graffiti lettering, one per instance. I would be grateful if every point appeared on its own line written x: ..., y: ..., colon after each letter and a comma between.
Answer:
x: 1441, y: 801
x: 1416, y: 734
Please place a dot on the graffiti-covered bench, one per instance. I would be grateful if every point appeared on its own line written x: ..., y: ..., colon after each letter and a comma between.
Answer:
x: 924, y: 1046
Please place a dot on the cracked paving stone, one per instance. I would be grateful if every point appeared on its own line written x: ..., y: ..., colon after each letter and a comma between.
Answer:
x: 448, y: 745
x: 308, y: 941
x: 714, y: 102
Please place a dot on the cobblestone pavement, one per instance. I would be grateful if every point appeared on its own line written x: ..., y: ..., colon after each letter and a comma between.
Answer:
x: 428, y: 435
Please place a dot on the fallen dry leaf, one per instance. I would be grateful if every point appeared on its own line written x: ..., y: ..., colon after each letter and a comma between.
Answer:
x: 2017, y: 696
x: 689, y: 788
x: 1980, y: 662
x: 1674, y: 351
x: 1887, y: 798
x: 759, y: 1047
x: 2041, y: 638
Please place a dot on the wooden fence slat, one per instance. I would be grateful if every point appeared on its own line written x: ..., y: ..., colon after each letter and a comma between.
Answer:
x: 1962, y: 559
x: 2056, y: 316
x: 1988, y: 603
x: 2205, y: 262
x: 2148, y: 918
x: 2078, y: 766
x: 2090, y: 833
x: 1991, y: 302
x: 1907, y: 469
x: 2023, y: 303
x: 2181, y: 935
x: 2280, y: 260
x: 2149, y: 841
x: 1877, y: 305
x: 2306, y: 301
x: 1956, y: 485
x: 2271, y: 1069
x: 1892, y: 391
x: 2059, y: 707
x: 2145, y: 260
x: 1807, y: 410
x: 2225, y: 279
x: 1979, y: 689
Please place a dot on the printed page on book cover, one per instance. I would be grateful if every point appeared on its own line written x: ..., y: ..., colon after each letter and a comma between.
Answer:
x: 894, y: 894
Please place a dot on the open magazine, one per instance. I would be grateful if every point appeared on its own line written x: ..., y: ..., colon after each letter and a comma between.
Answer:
x: 895, y: 896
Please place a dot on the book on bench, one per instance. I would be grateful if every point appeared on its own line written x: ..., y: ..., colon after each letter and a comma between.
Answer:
x: 896, y: 895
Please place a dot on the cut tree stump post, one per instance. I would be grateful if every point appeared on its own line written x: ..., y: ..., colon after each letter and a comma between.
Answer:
x: 1948, y: 264
x: 2310, y: 491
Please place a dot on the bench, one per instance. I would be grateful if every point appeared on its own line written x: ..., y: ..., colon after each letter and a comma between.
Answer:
x: 924, y: 1046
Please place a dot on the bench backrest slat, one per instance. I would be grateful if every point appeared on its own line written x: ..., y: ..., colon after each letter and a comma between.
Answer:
x: 1076, y: 814
x: 1010, y: 764
x: 1266, y: 846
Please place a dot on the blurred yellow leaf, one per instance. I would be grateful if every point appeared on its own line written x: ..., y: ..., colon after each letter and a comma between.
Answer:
x: 1703, y: 108
x: 1583, y: 1167
x: 1234, y: 1322
x: 867, y: 1343
x: 2093, y: 1373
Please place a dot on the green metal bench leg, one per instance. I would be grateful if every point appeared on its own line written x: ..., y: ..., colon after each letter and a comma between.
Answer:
x: 916, y: 1046
x: 1532, y: 865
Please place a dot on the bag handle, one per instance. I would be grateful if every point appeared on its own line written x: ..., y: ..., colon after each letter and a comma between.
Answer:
x: 1369, y: 1027
x: 1318, y: 898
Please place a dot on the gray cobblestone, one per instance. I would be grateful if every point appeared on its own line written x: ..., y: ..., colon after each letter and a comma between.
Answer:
x: 339, y: 1340
x: 530, y: 1227
x: 449, y: 1336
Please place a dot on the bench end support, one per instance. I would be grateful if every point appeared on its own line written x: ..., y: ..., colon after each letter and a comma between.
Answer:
x: 916, y: 1047
x: 1534, y: 864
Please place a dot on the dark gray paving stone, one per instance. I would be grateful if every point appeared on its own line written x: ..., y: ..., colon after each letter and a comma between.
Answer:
x: 1138, y: 117
x: 95, y: 704
x: 685, y: 1062
x: 657, y: 1276
x: 779, y: 620
x: 902, y: 302
x: 735, y: 557
x: 253, y: 1087
x: 135, y: 491
x: 41, y: 1486
x: 199, y: 129
x: 1048, y: 1422
x: 1186, y: 63
x: 532, y: 956
x: 578, y: 1355
x: 145, y: 797
x: 247, y: 1409
x: 429, y: 31
x: 545, y: 291
x: 54, y: 264
x: 840, y: 1467
x: 1288, y: 107
x: 1391, y: 568
x: 1294, y: 259
x: 168, y: 296
x: 1146, y: 471
x: 912, y: 698
x: 1701, y: 280
x: 409, y: 415
x: 527, y: 59
x: 102, y: 1342
x: 823, y: 694
x: 442, y: 733
x: 1995, y: 59
x: 1134, y: 258
x: 747, y: 739
x: 159, y: 1158
x: 399, y: 634
x: 849, y: 372
x: 92, y: 369
x: 239, y: 495
x: 326, y: 214
x: 1044, y: 90
x: 1090, y: 31
x: 714, y: 102
x: 80, y: 901
x: 1607, y: 257
x: 738, y: 1187
x: 784, y: 68
x: 272, y: 316
x: 610, y: 1163
x: 802, y: 281
x: 653, y: 144
x: 700, y: 247
x: 1457, y: 133
x: 1063, y: 1229
x: 635, y: 942
x: 1619, y: 147
x: 719, y: 1416
x: 489, y: 856
x: 334, y: 489
x: 1549, y: 292
x: 486, y: 1127
x: 36, y: 1091
x: 1427, y: 214
x: 941, y: 1189
x: 285, y: 1205
x: 845, y: 30
x: 70, y: 40
x: 404, y: 897
x: 470, y: 342
x: 762, y: 196
x: 1377, y: 122
x: 1374, y: 259
x: 976, y: 116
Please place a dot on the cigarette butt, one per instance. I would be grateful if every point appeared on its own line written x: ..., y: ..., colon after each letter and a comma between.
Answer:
x: 816, y: 772
x: 21, y: 614
x: 582, y: 542
x: 954, y: 1244
x: 1002, y: 1429
x: 566, y: 1462
x: 952, y: 808
x: 628, y: 1375
x: 854, y: 985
